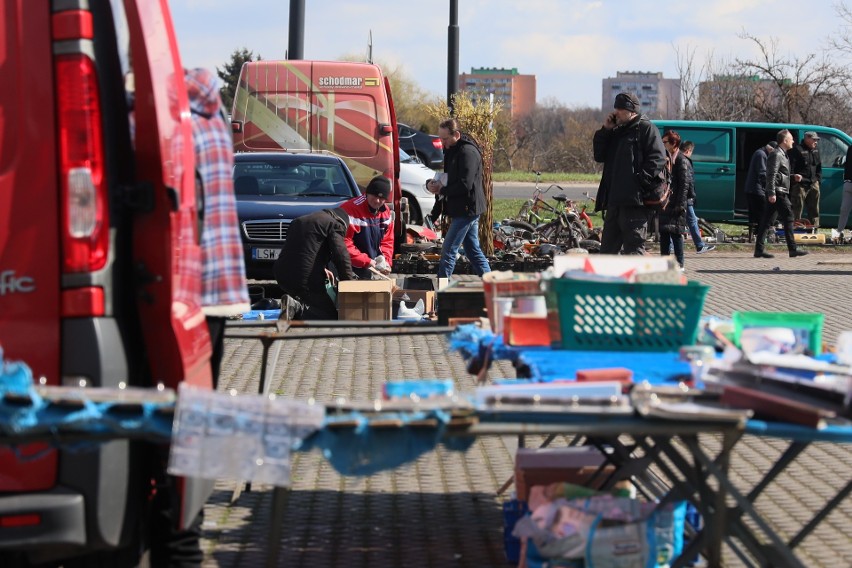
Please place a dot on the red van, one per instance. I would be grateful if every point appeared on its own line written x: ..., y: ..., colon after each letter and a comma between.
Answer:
x: 98, y: 249
x: 343, y: 107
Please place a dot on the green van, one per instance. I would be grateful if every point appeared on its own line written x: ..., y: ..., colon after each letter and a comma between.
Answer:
x: 722, y: 154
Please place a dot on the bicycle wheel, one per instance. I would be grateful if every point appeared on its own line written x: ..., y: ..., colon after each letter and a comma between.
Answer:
x: 522, y: 225
x: 591, y: 245
x: 579, y: 228
x: 548, y: 231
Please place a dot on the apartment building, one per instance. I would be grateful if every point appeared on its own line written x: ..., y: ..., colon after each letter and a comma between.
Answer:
x: 659, y: 97
x: 514, y: 90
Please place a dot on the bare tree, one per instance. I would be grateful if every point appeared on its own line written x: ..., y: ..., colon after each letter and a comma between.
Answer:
x: 689, y: 81
x: 799, y: 82
x: 772, y: 86
x: 715, y: 89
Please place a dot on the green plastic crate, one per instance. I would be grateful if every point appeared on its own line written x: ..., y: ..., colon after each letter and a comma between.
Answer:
x: 620, y: 316
x: 809, y: 323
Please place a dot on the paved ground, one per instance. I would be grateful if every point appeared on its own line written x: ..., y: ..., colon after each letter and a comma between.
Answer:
x: 441, y: 510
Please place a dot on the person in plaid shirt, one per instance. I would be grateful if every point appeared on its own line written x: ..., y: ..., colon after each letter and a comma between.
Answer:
x: 224, y: 288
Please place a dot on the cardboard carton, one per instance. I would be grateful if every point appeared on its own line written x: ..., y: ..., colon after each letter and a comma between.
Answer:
x: 364, y: 300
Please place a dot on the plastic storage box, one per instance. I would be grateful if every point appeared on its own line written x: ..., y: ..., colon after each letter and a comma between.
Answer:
x: 808, y: 324
x: 622, y: 316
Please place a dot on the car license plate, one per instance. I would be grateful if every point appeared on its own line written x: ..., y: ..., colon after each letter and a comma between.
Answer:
x: 265, y: 253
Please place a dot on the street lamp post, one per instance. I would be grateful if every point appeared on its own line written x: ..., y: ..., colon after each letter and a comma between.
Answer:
x: 453, y: 53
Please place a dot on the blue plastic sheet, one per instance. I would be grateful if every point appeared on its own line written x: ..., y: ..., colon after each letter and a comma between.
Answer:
x: 267, y: 314
x: 546, y: 364
x: 365, y: 449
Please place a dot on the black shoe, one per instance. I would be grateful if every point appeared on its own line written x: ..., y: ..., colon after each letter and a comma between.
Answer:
x: 290, y: 308
x: 762, y: 254
x: 795, y: 253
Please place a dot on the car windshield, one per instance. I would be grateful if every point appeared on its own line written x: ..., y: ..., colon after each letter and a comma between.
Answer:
x: 287, y: 179
x: 406, y: 158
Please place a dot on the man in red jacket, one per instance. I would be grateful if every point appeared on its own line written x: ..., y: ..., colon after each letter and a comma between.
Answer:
x: 369, y: 237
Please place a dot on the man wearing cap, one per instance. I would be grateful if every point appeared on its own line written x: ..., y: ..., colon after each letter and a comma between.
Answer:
x: 755, y: 185
x: 633, y: 155
x: 313, y: 242
x: 807, y: 175
x: 369, y: 237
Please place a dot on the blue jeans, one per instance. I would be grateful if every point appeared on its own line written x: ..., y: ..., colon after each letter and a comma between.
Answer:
x: 692, y: 223
x: 462, y: 231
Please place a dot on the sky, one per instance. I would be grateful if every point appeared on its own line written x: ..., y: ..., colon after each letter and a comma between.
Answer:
x: 569, y: 45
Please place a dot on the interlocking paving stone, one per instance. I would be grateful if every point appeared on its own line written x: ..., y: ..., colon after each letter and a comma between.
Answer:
x: 441, y: 510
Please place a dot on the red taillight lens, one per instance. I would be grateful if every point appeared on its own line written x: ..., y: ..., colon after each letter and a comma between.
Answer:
x: 24, y: 520
x: 84, y: 205
x: 436, y: 142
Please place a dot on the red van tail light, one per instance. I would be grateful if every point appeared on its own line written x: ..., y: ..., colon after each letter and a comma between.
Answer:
x: 85, y: 236
x: 23, y: 520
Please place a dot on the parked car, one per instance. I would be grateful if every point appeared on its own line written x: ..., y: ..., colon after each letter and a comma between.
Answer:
x: 273, y: 188
x: 424, y: 147
x: 412, y: 180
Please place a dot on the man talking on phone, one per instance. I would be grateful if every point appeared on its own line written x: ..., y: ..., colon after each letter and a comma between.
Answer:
x: 632, y: 152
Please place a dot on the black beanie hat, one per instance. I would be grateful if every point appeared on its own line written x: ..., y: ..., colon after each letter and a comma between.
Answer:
x: 379, y: 186
x: 627, y: 101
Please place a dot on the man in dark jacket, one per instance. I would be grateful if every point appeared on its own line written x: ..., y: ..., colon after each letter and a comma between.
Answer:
x: 778, y: 196
x: 313, y: 241
x: 807, y: 174
x: 464, y: 199
x: 632, y: 153
x: 755, y: 184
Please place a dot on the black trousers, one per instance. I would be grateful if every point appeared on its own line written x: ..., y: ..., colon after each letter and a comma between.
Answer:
x: 784, y: 210
x: 624, y: 230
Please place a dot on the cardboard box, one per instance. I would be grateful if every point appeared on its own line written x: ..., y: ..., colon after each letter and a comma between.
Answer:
x: 543, y: 466
x: 364, y: 300
x: 428, y: 297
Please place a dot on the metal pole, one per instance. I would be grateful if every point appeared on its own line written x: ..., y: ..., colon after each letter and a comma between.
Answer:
x: 453, y: 53
x: 296, y: 45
